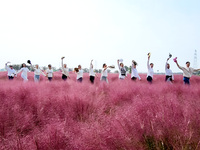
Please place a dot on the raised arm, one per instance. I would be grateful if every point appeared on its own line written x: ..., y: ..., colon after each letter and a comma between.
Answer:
x: 178, y: 65
x: 32, y: 67
x: 62, y: 62
x: 91, y: 65
x: 118, y: 63
x: 148, y: 66
x: 166, y: 64
x: 6, y: 66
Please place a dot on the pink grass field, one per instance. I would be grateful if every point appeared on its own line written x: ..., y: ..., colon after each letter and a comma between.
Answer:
x: 122, y: 115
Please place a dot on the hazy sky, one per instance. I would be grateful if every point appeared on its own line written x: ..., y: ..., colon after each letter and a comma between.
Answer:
x: 103, y: 30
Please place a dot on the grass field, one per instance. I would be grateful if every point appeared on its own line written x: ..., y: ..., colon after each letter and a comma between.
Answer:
x: 120, y: 115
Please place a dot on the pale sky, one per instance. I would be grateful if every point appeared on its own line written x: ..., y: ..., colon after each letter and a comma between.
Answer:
x: 103, y: 30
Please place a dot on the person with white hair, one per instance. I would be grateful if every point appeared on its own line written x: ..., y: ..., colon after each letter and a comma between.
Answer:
x: 37, y: 72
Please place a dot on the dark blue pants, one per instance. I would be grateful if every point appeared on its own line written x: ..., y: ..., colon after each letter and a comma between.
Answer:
x: 186, y: 80
x: 10, y: 77
x: 80, y: 79
x: 149, y: 79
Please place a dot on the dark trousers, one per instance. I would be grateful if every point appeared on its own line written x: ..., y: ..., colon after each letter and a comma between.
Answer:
x: 49, y: 78
x: 64, y: 77
x: 134, y: 78
x: 149, y: 79
x: 10, y: 77
x: 168, y: 78
x: 186, y: 80
x: 92, y: 79
x: 80, y: 79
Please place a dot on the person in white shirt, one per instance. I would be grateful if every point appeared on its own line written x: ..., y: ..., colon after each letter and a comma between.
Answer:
x: 91, y: 73
x: 11, y: 71
x: 37, y: 72
x: 79, y: 73
x: 134, y: 72
x: 187, y: 71
x: 104, y: 73
x: 49, y: 73
x: 65, y: 70
x: 24, y: 71
x: 150, y: 70
x: 122, y: 70
x: 168, y: 72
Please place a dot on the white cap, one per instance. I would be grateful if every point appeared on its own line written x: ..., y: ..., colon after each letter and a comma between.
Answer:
x: 120, y: 60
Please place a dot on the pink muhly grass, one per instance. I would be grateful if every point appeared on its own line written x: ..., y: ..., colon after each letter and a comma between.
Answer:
x: 119, y: 115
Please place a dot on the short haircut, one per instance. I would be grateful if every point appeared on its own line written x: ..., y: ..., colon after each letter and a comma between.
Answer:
x: 151, y: 64
x: 187, y: 62
x: 49, y: 65
x: 104, y: 65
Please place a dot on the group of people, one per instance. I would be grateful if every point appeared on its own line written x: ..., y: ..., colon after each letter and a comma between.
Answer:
x: 187, y: 71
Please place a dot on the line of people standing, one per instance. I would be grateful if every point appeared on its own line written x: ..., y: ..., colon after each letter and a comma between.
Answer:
x: 187, y: 71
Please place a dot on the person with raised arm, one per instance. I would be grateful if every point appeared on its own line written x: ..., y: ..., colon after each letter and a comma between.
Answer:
x: 79, y: 73
x: 134, y: 72
x: 49, y: 72
x: 104, y: 73
x: 11, y: 71
x: 150, y: 70
x: 187, y: 71
x: 92, y: 73
x: 65, y: 70
x: 169, y: 77
x: 122, y: 69
x: 24, y: 71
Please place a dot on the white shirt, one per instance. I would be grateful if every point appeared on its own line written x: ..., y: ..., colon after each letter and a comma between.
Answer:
x: 65, y: 71
x: 104, y: 73
x: 150, y: 70
x: 49, y: 72
x: 187, y: 71
x: 168, y: 72
x: 38, y: 71
x: 11, y: 72
x: 24, y: 71
x: 91, y: 71
x: 79, y: 74
x: 120, y: 74
x: 134, y: 73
